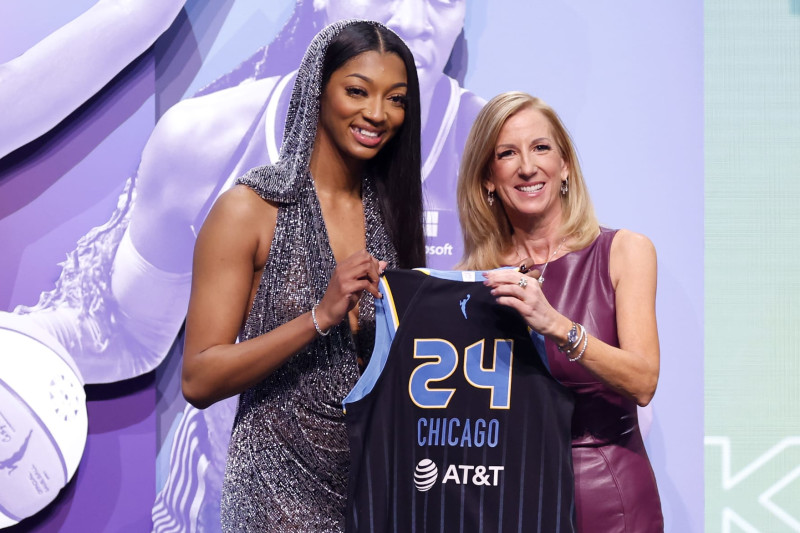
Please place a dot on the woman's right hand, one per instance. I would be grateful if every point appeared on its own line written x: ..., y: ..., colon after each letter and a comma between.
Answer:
x: 359, y: 272
x: 527, y: 299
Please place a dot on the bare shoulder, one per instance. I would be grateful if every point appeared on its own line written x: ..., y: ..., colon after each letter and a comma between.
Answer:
x: 241, y: 218
x: 631, y: 252
x: 627, y: 242
x: 189, y: 152
x: 209, y: 116
x: 242, y: 208
x: 242, y: 203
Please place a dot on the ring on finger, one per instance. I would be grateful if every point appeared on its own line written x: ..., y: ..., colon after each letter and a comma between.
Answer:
x: 523, y: 282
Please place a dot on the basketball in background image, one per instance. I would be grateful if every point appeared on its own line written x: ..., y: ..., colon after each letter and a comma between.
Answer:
x: 43, y: 423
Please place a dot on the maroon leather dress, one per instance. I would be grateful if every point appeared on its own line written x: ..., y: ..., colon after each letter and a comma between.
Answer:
x: 615, y: 487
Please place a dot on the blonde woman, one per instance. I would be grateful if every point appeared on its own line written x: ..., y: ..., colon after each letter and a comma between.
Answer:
x: 590, y: 291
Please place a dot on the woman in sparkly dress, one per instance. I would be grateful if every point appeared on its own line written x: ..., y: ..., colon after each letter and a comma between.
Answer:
x: 590, y: 292
x: 288, y: 261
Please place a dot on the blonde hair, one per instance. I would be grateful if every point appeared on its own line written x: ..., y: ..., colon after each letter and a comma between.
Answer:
x: 486, y: 229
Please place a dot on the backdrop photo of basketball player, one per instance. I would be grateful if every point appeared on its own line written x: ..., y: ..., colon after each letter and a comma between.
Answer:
x: 123, y: 299
x: 121, y: 302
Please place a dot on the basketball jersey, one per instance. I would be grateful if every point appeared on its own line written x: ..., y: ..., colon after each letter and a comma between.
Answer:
x: 456, y: 423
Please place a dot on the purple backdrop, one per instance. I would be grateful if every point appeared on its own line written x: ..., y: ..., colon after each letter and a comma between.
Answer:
x: 627, y: 82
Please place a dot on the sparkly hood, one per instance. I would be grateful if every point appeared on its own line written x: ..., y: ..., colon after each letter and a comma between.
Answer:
x: 276, y: 182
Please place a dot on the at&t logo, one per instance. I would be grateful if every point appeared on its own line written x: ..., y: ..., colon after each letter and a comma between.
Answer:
x: 426, y: 473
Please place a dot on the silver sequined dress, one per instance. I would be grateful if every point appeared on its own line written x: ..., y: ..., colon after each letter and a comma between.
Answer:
x: 288, y: 458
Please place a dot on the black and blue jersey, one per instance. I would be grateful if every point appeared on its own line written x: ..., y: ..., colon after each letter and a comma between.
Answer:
x: 456, y: 424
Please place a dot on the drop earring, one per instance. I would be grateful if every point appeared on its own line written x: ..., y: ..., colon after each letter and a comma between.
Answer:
x: 565, y: 187
x: 490, y: 198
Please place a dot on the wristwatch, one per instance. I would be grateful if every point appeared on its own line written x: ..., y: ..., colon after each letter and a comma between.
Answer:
x: 572, y: 338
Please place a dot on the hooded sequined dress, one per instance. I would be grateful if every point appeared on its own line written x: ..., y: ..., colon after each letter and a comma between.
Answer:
x: 288, y: 457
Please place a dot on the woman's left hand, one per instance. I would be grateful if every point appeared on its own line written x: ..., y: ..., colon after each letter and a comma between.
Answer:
x: 522, y: 292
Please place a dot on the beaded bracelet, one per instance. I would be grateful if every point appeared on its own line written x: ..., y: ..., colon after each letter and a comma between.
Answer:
x: 583, y: 349
x: 316, y: 324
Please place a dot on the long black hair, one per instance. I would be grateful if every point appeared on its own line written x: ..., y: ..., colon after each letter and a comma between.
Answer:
x: 397, y: 167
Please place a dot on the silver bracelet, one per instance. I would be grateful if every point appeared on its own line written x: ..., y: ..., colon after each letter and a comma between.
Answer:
x: 316, y: 324
x: 585, y: 342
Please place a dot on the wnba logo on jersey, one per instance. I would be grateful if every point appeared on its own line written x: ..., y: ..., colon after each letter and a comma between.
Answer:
x: 426, y: 473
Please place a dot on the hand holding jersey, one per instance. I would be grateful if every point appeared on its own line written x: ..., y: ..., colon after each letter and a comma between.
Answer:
x: 528, y: 299
x: 351, y: 277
